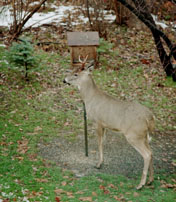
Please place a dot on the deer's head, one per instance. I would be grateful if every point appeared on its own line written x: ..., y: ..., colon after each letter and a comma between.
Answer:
x: 81, y: 74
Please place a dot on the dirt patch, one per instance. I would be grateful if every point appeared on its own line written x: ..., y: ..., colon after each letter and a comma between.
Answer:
x: 119, y: 156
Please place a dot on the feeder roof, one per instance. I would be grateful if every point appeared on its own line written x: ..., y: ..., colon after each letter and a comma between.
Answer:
x: 83, y: 38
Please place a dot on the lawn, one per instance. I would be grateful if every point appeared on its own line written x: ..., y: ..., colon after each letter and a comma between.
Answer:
x: 42, y: 109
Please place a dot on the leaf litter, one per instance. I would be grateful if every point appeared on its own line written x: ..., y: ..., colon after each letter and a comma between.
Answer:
x: 163, y: 153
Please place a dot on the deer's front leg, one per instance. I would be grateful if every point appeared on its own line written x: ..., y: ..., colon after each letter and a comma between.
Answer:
x: 100, y: 132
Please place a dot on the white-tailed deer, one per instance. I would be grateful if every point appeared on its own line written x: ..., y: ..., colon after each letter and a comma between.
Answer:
x: 134, y: 120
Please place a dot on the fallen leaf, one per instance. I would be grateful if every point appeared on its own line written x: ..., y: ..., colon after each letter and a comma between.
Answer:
x: 66, y: 177
x: 111, y: 186
x: 32, y: 157
x: 94, y: 194
x: 79, y: 192
x: 174, y: 180
x: 64, y: 183
x: 37, y: 129
x: 145, y: 61
x: 66, y: 124
x: 136, y: 194
x: 41, y: 180
x: 59, y: 191
x: 101, y: 187
x: 85, y: 199
x: 33, y: 194
x: 72, y: 92
x: 6, y: 200
x: 121, y: 184
x: 22, y: 146
x: 117, y: 198
x: 70, y: 194
x: 168, y: 185
x: 57, y: 199
x: 20, y: 158
x: 3, y: 144
x: 146, y: 76
x: 106, y: 191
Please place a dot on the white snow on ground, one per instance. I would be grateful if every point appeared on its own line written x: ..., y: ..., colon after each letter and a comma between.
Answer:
x: 38, y: 18
x: 57, y: 16
x: 42, y: 18
x: 160, y: 23
x: 5, y: 16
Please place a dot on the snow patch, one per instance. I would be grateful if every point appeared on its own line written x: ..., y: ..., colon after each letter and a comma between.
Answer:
x: 38, y: 19
x: 160, y: 23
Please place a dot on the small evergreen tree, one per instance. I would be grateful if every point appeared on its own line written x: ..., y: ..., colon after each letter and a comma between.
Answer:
x: 22, y: 56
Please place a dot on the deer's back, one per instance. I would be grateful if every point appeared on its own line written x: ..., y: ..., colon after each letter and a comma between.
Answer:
x: 118, y: 115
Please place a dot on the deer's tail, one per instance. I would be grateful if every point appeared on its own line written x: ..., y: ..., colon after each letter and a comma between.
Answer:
x: 151, y: 126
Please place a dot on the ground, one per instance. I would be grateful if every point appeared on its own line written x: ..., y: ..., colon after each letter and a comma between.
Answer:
x: 119, y: 156
x: 41, y: 127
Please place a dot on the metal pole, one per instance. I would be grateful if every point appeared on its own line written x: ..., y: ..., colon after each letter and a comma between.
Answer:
x: 85, y: 130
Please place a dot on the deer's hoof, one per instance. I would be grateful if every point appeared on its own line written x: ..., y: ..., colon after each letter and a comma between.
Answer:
x: 139, y: 187
x: 150, y: 182
x: 98, y: 166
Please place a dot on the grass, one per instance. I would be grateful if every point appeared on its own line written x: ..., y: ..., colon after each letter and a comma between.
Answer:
x: 42, y: 109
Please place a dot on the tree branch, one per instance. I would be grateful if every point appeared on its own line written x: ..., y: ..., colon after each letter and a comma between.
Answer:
x: 173, y: 1
x: 21, y: 24
x: 143, y: 14
x: 32, y: 13
x: 147, y: 20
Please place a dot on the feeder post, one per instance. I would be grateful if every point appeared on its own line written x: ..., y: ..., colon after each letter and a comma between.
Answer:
x: 85, y: 129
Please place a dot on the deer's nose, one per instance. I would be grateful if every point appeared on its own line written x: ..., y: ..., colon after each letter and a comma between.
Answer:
x: 64, y: 81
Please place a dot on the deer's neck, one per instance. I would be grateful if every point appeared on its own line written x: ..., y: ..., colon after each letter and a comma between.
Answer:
x: 88, y: 88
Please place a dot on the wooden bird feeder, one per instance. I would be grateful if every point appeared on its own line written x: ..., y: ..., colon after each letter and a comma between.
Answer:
x: 83, y: 44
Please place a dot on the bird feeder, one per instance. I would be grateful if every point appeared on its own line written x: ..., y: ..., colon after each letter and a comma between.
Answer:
x: 82, y: 45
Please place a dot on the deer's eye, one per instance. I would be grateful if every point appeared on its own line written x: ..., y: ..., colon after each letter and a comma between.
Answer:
x: 75, y: 74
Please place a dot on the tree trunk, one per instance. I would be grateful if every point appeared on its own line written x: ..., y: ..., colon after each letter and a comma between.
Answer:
x: 88, y: 13
x: 26, y: 71
x: 164, y: 58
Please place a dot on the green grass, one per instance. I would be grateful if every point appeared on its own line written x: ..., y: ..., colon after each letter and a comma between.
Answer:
x: 42, y: 109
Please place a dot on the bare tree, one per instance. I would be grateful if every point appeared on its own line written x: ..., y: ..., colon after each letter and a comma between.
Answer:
x: 95, y: 14
x: 22, y: 12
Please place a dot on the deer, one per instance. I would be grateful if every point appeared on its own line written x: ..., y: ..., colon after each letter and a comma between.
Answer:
x: 131, y: 118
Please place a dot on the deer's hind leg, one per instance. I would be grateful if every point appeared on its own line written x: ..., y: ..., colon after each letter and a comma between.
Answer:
x: 151, y: 170
x: 100, y: 132
x: 139, y: 143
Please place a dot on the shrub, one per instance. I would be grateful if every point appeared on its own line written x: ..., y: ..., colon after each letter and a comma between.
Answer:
x: 104, y: 47
x: 3, y: 61
x: 21, y: 55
